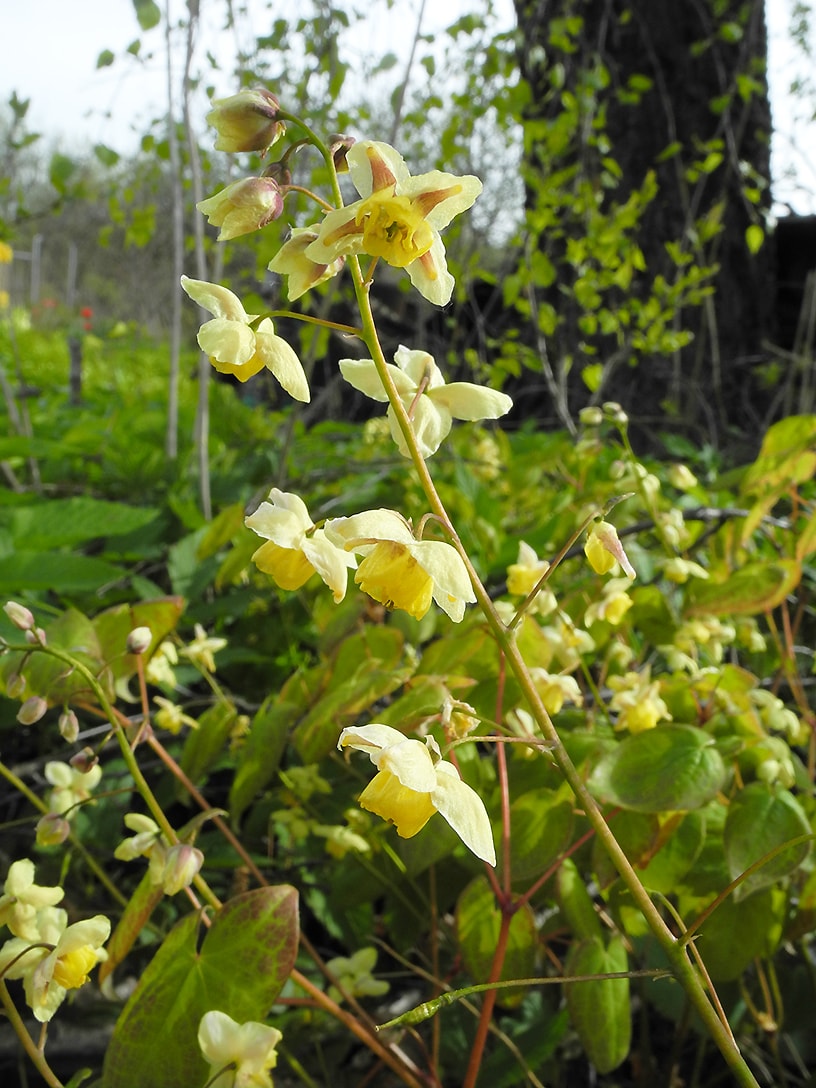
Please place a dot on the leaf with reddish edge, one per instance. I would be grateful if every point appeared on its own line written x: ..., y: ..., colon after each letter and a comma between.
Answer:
x: 240, y: 967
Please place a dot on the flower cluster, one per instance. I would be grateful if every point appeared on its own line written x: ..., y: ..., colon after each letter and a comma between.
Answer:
x: 171, y: 867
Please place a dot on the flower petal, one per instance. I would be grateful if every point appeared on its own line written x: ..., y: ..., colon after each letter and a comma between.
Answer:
x: 340, y: 234
x: 330, y: 562
x: 464, y: 810
x: 282, y: 361
x: 464, y: 400
x: 228, y: 343
x: 369, y: 527
x: 431, y: 424
x: 283, y: 519
x: 362, y: 374
x: 370, y: 738
x: 441, y: 196
x: 452, y: 586
x: 418, y: 366
x: 220, y: 301
x: 410, y: 761
x: 374, y: 165
x: 429, y: 274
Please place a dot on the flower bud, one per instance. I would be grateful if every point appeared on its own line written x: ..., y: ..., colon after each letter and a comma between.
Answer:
x: 681, y: 477
x: 32, y: 710
x: 15, y: 685
x: 20, y: 616
x: 280, y: 173
x: 244, y: 206
x: 139, y: 640
x: 591, y: 416
x: 612, y: 410
x: 339, y: 145
x: 52, y: 829
x: 68, y: 726
x: 83, y: 761
x: 181, y: 864
x: 36, y: 636
x: 247, y: 121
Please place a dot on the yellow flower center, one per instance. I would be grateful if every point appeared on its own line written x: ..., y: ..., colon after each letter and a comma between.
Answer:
x: 72, y: 969
x: 393, y: 229
x: 407, y: 809
x: 391, y: 575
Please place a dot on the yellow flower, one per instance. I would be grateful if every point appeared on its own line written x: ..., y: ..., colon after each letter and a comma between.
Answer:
x: 431, y: 403
x: 637, y: 701
x: 48, y: 975
x: 244, y: 206
x: 556, y: 689
x: 615, y: 602
x: 242, y: 1054
x: 235, y: 348
x: 200, y: 651
x: 303, y: 272
x: 171, y: 717
x: 400, y: 571
x: 398, y: 218
x: 604, y: 550
x: 6, y: 253
x: 247, y: 121
x: 354, y: 975
x: 413, y: 782
x: 71, y: 787
x: 295, y: 550
x: 22, y: 898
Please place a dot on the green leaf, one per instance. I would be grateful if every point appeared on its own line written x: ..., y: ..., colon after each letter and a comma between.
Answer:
x: 67, y: 522
x: 478, y: 921
x: 672, y: 767
x: 542, y: 826
x: 106, y: 155
x: 760, y: 819
x: 148, y: 13
x: 133, y: 920
x: 754, y: 238
x: 756, y: 587
x: 739, y: 931
x: 681, y: 848
x: 261, y: 755
x: 600, y: 1008
x: 55, y: 572
x: 204, y: 746
x: 105, y: 59
x: 245, y: 957
x: 576, y: 903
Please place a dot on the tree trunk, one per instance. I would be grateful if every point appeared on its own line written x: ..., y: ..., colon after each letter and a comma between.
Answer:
x: 663, y: 86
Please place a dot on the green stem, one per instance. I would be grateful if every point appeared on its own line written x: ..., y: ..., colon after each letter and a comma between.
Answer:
x: 32, y: 1050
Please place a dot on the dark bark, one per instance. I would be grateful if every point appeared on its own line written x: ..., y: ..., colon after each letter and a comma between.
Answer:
x: 706, y: 63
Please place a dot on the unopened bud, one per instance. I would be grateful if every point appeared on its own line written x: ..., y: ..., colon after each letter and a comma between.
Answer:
x: 612, y: 410
x: 139, y: 640
x: 181, y: 864
x: 52, y: 829
x: 15, y: 685
x: 20, y: 616
x: 247, y: 121
x: 68, y: 726
x: 36, y: 636
x: 244, y: 206
x: 83, y: 761
x: 591, y: 416
x: 681, y: 477
x: 32, y: 710
x: 339, y: 145
x: 280, y: 173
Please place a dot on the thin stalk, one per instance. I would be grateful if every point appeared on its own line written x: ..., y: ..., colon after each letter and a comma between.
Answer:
x: 32, y: 1050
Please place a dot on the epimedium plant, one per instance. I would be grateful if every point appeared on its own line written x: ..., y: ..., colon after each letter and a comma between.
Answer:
x: 621, y: 787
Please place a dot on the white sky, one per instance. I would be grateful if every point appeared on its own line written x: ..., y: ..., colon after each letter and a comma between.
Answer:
x: 51, y: 48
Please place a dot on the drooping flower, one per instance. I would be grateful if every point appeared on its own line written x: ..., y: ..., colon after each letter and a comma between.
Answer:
x: 637, y: 701
x: 171, y: 717
x: 400, y: 571
x: 159, y: 669
x: 235, y: 348
x: 556, y: 689
x: 603, y: 549
x: 615, y: 602
x: 354, y: 975
x: 398, y: 218
x: 71, y: 785
x: 244, y: 206
x: 242, y: 1053
x: 202, y: 648
x: 48, y: 975
x: 295, y: 549
x: 413, y: 782
x: 303, y: 272
x: 247, y: 121
x: 22, y: 898
x: 431, y: 403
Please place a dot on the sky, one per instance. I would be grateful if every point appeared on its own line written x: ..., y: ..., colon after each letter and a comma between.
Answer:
x: 56, y: 43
